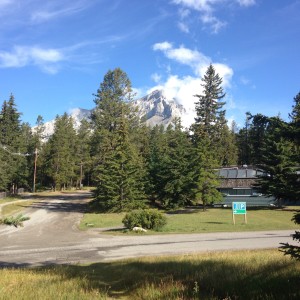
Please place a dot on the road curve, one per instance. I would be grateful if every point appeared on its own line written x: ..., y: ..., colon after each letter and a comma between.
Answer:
x: 51, y: 237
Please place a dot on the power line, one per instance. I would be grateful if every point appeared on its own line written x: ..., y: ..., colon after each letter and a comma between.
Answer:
x: 5, y: 148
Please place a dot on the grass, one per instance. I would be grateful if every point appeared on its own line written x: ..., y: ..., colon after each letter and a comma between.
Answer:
x: 14, y: 208
x: 197, y: 221
x: 101, y: 220
x: 263, y: 274
x: 8, y: 199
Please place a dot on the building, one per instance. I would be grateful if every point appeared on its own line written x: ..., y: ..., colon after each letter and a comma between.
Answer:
x: 237, y: 185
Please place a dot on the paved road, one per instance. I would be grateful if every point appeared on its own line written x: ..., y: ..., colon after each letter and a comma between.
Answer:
x: 51, y: 237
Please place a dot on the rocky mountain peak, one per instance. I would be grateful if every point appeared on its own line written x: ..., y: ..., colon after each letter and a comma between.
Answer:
x: 155, y: 108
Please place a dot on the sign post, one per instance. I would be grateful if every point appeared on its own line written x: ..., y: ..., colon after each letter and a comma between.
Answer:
x: 239, y: 208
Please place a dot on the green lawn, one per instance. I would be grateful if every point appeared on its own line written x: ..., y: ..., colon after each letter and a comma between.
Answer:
x: 263, y: 274
x: 197, y: 221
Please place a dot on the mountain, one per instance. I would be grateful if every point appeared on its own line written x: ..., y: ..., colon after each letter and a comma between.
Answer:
x: 154, y: 109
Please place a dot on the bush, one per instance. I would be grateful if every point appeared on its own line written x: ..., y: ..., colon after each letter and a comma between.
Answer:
x: 146, y: 218
x: 15, y: 221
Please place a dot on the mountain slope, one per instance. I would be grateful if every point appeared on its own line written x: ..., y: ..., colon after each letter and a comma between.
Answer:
x: 154, y: 109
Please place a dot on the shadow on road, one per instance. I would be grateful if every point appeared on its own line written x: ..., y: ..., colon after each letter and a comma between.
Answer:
x: 64, y: 202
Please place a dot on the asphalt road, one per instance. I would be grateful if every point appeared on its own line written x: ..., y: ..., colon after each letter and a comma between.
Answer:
x: 51, y: 237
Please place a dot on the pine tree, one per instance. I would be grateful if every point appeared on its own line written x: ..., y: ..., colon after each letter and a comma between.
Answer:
x: 204, y: 177
x: 209, y: 138
x: 280, y: 179
x: 83, y: 152
x: 174, y: 171
x: 37, y: 167
x: 61, y: 158
x: 295, y: 122
x: 294, y: 133
x: 155, y: 158
x: 12, y: 142
x: 209, y: 113
x: 118, y: 167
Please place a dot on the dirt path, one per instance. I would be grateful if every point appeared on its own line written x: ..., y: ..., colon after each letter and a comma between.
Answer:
x: 51, y: 237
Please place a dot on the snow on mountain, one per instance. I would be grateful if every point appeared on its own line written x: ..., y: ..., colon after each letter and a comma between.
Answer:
x: 154, y: 108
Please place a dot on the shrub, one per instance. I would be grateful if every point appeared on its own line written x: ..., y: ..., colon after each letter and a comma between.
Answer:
x: 15, y: 221
x: 146, y: 218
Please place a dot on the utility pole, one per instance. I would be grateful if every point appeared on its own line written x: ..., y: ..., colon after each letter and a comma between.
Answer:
x: 34, y: 172
x: 81, y: 173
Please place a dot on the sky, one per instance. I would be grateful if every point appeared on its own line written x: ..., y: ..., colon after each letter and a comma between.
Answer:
x: 55, y: 53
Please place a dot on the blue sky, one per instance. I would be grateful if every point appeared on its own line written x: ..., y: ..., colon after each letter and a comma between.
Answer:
x: 54, y: 53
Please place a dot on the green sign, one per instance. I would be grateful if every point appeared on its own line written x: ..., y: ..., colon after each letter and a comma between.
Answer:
x: 239, y: 208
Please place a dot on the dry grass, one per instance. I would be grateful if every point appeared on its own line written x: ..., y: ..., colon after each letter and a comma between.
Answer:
x: 263, y: 274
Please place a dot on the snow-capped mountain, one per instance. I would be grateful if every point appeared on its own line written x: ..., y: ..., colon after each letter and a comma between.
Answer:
x: 154, y: 109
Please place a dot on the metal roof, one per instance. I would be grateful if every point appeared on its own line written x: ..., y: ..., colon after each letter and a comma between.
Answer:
x: 239, y: 173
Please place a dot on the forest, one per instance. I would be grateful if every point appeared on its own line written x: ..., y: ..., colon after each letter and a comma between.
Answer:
x: 134, y: 166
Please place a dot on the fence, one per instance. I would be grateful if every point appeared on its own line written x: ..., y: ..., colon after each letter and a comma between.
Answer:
x: 6, y: 194
x: 3, y: 195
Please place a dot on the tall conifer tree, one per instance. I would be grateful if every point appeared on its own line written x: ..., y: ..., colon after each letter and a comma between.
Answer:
x: 61, y: 158
x: 207, y: 138
x: 118, y: 167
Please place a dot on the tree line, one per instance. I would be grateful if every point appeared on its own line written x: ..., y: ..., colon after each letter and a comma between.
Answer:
x: 132, y: 165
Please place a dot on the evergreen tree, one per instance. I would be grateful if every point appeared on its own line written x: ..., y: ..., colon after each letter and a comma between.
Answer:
x: 295, y: 122
x: 23, y: 177
x: 83, y: 152
x: 61, y: 158
x: 209, y: 113
x: 13, y: 143
x: 173, y: 171
x: 209, y: 136
x: 243, y: 142
x: 288, y: 249
x: 37, y: 167
x: 204, y: 178
x: 280, y: 179
x: 157, y: 152
x: 118, y: 167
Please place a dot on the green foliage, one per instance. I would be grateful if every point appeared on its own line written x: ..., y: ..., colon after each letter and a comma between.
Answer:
x: 147, y: 219
x: 118, y: 167
x: 204, y: 180
x: 61, y: 157
x: 208, y: 106
x: 277, y: 160
x: 169, y: 164
x: 14, y: 221
x: 293, y: 250
x: 15, y: 142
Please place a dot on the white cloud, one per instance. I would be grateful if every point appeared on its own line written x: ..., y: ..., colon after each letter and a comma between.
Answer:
x: 207, y: 10
x: 156, y: 77
x: 246, y: 2
x: 213, y: 22
x: 183, y: 27
x: 48, y: 10
x: 184, y: 13
x: 194, y: 59
x: 22, y: 56
x: 162, y: 46
x: 183, y: 88
x: 138, y: 92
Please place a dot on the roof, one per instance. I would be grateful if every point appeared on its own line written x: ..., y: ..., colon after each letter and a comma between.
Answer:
x: 239, y: 173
